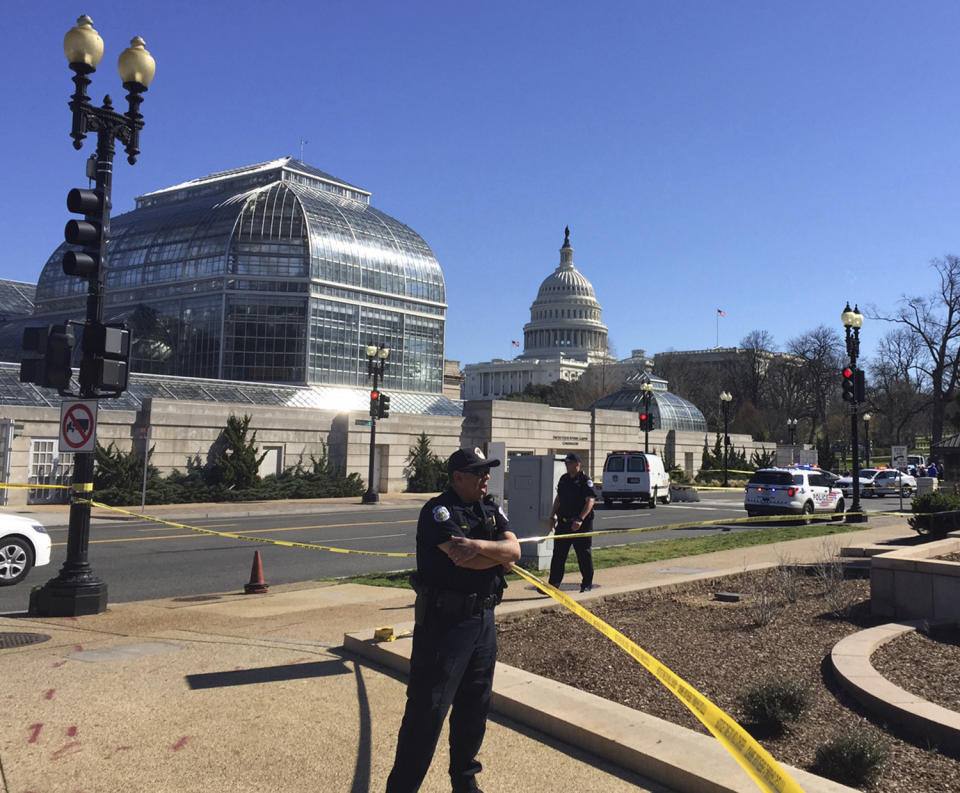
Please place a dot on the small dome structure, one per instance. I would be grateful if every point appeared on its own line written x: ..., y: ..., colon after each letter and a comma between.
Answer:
x: 669, y: 412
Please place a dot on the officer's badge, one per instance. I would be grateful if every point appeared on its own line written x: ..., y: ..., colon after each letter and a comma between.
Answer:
x: 589, y: 483
x: 441, y: 514
x: 479, y: 453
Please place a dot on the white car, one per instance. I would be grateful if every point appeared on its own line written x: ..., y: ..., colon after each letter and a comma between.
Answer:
x: 792, y: 491
x: 867, y: 475
x: 24, y: 544
x: 891, y: 482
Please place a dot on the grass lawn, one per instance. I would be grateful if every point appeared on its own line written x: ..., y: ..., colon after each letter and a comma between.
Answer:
x: 654, y: 551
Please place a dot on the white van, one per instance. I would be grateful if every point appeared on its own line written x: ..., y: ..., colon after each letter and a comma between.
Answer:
x: 635, y: 476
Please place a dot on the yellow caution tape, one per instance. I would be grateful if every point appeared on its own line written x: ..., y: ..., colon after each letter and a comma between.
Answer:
x: 4, y: 485
x: 232, y: 536
x: 754, y: 759
x: 82, y: 487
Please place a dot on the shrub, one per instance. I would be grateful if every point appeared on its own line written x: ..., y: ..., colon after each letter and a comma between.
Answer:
x: 926, y: 519
x: 427, y: 472
x: 773, y: 704
x: 856, y: 758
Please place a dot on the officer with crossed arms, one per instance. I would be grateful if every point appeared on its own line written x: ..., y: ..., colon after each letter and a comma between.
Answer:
x: 464, y: 547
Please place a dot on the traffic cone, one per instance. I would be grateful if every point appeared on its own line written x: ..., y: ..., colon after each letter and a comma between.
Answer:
x: 257, y: 585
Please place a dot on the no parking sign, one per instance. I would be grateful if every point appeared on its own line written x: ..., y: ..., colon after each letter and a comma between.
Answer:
x: 78, y: 425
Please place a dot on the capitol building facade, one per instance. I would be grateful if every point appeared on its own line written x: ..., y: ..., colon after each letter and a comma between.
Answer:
x: 564, y: 336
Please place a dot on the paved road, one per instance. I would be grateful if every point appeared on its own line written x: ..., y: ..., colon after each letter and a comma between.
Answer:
x: 142, y: 560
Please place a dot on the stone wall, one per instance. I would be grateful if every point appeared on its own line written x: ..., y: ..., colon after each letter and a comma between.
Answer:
x: 181, y: 431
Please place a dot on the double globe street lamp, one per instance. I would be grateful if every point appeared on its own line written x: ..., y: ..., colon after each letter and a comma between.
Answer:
x: 852, y: 320
x: 76, y: 591
x: 376, y: 361
x: 646, y: 420
x: 725, y: 399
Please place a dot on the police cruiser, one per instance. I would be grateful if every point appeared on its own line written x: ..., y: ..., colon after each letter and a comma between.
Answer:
x: 792, y: 491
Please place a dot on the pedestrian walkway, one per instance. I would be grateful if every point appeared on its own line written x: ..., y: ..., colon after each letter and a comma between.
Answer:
x: 232, y: 692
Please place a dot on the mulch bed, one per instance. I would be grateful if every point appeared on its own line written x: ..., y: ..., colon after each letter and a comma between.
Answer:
x: 783, y: 628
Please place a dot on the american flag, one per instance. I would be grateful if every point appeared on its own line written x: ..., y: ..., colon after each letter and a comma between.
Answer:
x: 515, y: 343
x: 721, y: 312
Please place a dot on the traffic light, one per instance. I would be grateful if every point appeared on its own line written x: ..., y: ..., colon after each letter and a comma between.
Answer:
x: 374, y: 403
x: 860, y: 386
x: 48, y: 354
x: 383, y: 408
x: 646, y: 422
x: 106, y: 357
x: 848, y: 386
x: 87, y: 233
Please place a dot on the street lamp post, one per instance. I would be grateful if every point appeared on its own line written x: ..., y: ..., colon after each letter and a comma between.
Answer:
x: 866, y: 439
x: 647, y: 389
x: 725, y: 399
x: 76, y: 590
x: 852, y: 321
x: 376, y: 361
x: 792, y: 429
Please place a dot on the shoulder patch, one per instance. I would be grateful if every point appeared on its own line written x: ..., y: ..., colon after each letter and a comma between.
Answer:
x: 441, y: 514
x: 589, y: 483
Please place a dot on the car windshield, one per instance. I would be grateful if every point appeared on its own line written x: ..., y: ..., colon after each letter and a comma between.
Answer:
x: 868, y: 473
x: 771, y: 478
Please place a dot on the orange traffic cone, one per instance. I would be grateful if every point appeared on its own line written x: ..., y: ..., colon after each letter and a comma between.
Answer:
x: 257, y: 585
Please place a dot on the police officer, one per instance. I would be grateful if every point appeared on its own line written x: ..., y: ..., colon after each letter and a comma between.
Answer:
x: 573, y: 512
x: 464, y: 546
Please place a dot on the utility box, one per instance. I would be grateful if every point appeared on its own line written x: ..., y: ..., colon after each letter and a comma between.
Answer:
x: 532, y: 484
x: 497, y: 450
x: 927, y: 484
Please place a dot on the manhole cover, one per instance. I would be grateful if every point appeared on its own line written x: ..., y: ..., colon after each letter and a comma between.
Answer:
x: 8, y: 640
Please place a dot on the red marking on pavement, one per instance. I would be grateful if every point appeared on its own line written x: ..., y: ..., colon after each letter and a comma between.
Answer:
x: 237, y: 668
x: 300, y: 659
x: 71, y: 731
x: 77, y: 648
x: 70, y: 748
x: 181, y: 743
x: 34, y: 732
x: 123, y: 749
x: 58, y: 664
x: 49, y: 694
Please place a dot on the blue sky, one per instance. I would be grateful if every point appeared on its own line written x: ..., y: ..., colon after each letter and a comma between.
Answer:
x: 770, y: 159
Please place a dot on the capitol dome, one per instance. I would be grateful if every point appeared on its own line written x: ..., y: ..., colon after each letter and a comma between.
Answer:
x: 565, y: 317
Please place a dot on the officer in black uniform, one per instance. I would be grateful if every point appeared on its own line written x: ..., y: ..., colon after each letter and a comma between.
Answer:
x: 573, y: 512
x: 464, y: 546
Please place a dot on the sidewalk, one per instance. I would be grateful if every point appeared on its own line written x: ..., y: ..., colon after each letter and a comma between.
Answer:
x: 228, y: 692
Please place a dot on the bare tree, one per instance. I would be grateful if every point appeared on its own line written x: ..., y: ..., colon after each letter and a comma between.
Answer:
x: 897, y: 384
x: 818, y: 351
x: 935, y: 319
x: 754, y: 364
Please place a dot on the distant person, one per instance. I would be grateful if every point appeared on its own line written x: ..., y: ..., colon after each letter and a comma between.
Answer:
x: 932, y: 470
x: 464, y: 546
x: 572, y: 512
x: 921, y: 470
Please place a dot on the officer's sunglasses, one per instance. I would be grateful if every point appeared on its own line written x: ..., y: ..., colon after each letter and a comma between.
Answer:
x: 479, y: 472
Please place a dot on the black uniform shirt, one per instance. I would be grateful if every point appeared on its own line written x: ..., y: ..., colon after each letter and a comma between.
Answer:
x: 573, y: 493
x: 447, y: 516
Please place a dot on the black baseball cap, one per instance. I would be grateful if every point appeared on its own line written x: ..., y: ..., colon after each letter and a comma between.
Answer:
x: 572, y: 458
x: 469, y: 460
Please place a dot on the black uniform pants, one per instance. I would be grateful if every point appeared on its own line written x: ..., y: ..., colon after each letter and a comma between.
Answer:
x: 561, y: 549
x: 451, y: 665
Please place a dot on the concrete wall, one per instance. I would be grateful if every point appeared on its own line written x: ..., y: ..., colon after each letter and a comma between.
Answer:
x: 182, y: 431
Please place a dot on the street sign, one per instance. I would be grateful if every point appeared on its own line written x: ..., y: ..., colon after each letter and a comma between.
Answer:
x: 362, y: 422
x: 78, y: 425
x: 898, y: 457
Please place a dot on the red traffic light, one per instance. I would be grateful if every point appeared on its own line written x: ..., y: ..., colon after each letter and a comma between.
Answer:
x: 848, y: 373
x: 374, y: 395
x: 643, y: 417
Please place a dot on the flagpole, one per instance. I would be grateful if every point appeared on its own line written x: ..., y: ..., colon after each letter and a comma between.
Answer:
x: 718, y: 329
